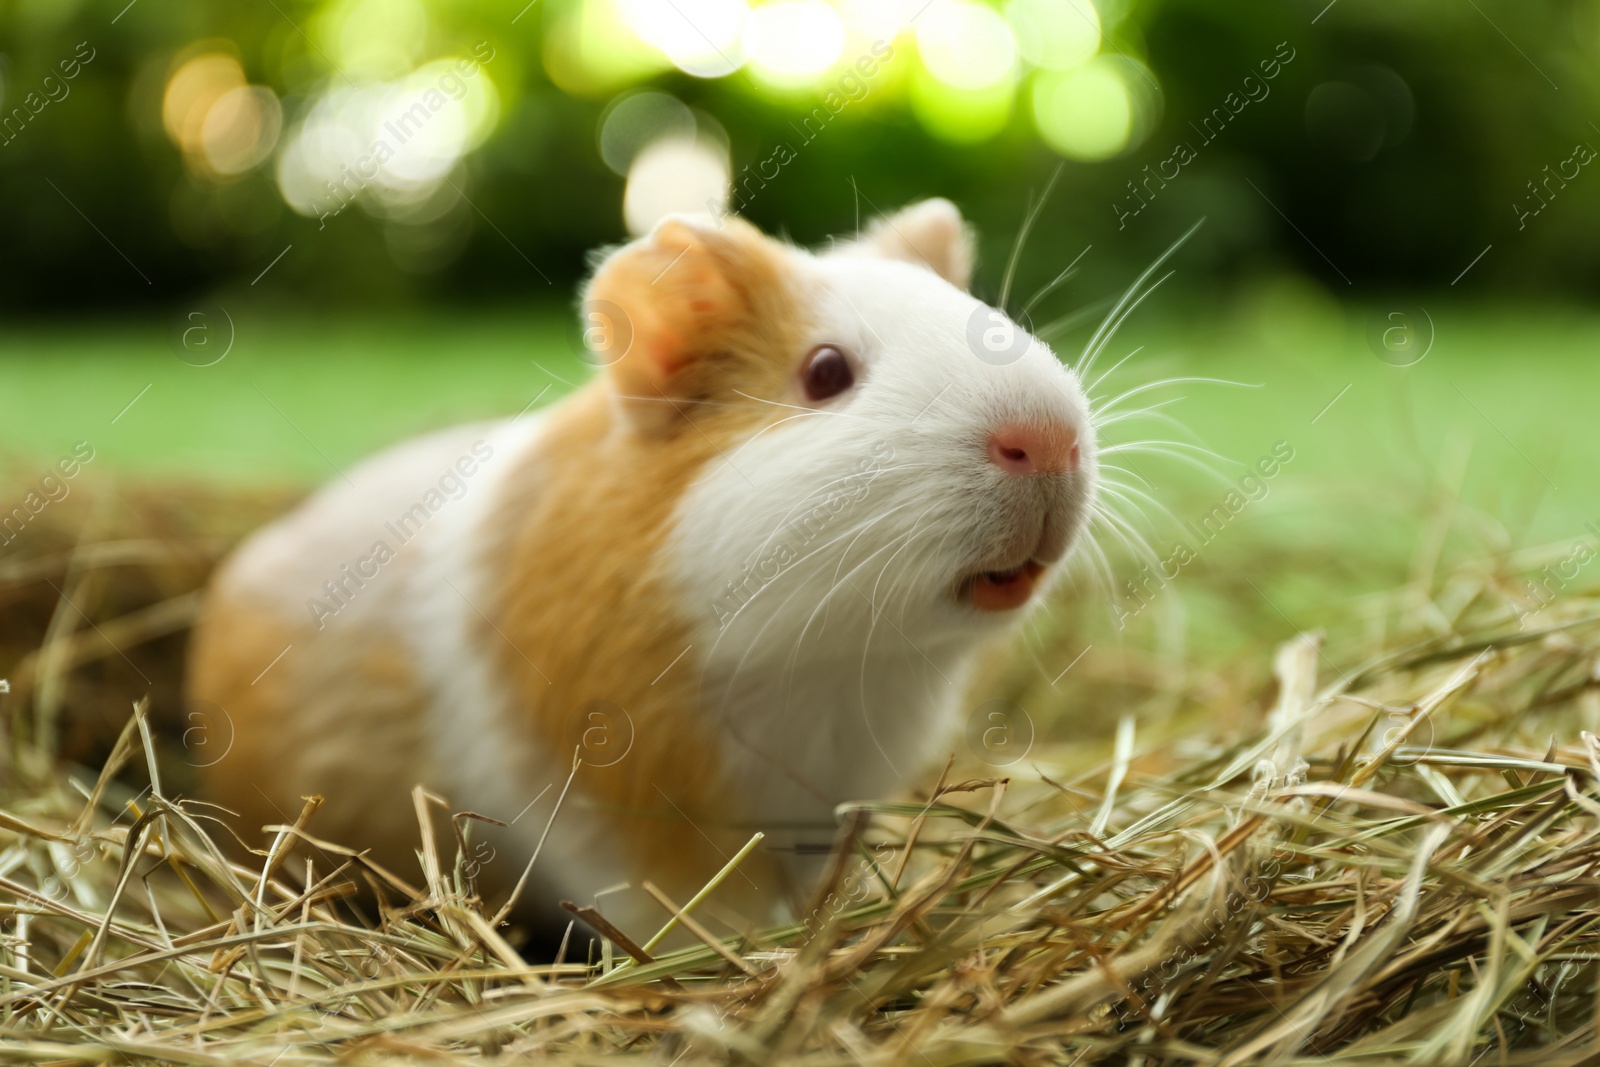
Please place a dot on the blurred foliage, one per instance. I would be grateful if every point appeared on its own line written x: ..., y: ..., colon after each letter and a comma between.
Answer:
x: 1397, y: 143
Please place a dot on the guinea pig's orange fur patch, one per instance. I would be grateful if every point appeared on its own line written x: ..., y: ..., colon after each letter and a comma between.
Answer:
x: 349, y: 725
x: 585, y: 599
x: 220, y: 664
x: 584, y: 609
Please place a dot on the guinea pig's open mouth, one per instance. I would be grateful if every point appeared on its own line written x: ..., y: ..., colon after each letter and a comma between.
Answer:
x: 1001, y: 590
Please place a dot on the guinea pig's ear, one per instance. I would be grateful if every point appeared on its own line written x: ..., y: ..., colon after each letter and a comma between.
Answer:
x: 670, y: 311
x: 931, y: 233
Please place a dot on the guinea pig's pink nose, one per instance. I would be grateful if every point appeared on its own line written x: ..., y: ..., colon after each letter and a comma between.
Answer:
x: 1034, y: 448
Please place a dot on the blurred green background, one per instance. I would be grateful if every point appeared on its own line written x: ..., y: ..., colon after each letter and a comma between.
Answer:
x: 378, y: 212
x: 1395, y: 141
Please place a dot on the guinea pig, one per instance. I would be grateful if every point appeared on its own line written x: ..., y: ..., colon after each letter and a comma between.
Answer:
x: 734, y: 580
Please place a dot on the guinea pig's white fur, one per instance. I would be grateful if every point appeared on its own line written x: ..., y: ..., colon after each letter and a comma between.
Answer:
x: 810, y: 569
x: 838, y: 673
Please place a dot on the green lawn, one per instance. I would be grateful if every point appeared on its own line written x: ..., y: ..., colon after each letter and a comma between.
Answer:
x: 293, y: 387
x: 1497, y: 418
x: 292, y: 396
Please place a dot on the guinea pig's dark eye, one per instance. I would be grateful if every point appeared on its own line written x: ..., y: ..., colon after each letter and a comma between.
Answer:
x: 826, y: 373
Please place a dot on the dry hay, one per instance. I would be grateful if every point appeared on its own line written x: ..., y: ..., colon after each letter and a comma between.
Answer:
x: 1390, y: 860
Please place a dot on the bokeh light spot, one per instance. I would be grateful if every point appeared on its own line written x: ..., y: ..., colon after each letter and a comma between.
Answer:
x: 792, y: 42
x: 192, y: 89
x: 389, y: 146
x: 882, y: 20
x: 1085, y: 113
x: 675, y: 174
x: 966, y: 45
x: 374, y: 38
x: 634, y: 120
x: 700, y: 37
x: 590, y: 49
x: 241, y: 129
x: 223, y: 126
x: 1055, y: 34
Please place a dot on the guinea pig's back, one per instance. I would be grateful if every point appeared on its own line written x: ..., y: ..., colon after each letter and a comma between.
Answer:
x: 300, y: 661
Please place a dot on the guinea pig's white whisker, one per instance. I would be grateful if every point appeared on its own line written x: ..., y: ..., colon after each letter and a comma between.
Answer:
x: 908, y: 540
x: 1092, y: 386
x: 1092, y: 353
x: 1054, y: 283
x: 1149, y: 412
x: 1158, y: 448
x: 799, y: 640
x: 1127, y: 550
x: 1033, y: 641
x: 1103, y: 507
x: 799, y: 587
x: 911, y: 580
x: 861, y: 689
x: 1120, y: 488
x: 1035, y: 208
x: 1049, y: 287
x: 1148, y: 444
x: 1127, y: 487
x: 679, y: 401
x: 878, y: 612
x: 1104, y: 467
x: 1130, y: 536
x: 1127, y: 533
x: 857, y: 531
x: 1117, y: 502
x: 1111, y: 404
x: 931, y: 557
x: 843, y: 558
x: 1169, y: 421
x: 821, y: 490
x: 796, y: 407
x: 1183, y: 451
x: 1072, y: 319
x: 1100, y: 334
x: 1088, y: 565
x: 839, y: 583
x: 1204, y: 468
x: 1033, y: 635
x: 1100, y: 568
x: 753, y: 438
